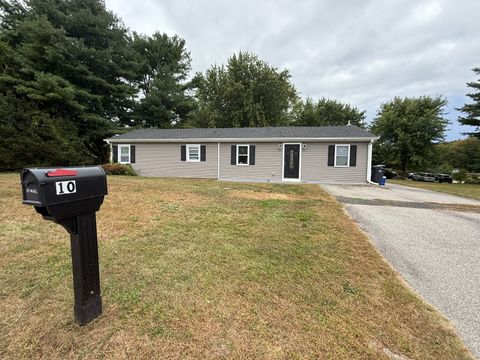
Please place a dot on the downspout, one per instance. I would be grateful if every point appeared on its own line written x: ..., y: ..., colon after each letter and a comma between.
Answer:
x: 369, y: 163
x: 218, y: 161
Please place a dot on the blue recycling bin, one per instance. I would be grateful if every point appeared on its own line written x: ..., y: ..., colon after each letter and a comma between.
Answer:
x: 377, y: 172
x: 382, y: 181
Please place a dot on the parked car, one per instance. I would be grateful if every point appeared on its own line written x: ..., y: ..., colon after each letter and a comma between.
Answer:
x: 443, y: 178
x: 410, y: 175
x: 428, y: 177
x: 417, y: 176
x: 423, y: 176
x: 390, y: 174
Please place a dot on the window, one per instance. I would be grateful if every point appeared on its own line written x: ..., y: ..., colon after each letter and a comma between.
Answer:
x: 124, y: 154
x: 291, y: 163
x: 342, y: 154
x: 193, y: 152
x: 243, y: 152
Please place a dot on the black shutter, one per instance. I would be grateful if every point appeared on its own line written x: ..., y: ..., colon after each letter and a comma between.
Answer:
x: 183, y: 153
x: 331, y: 155
x: 132, y: 154
x: 353, y: 155
x: 203, y: 152
x: 233, y: 155
x: 252, y: 155
x: 115, y: 153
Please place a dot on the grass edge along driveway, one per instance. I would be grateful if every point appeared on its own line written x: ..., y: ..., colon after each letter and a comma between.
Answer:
x: 206, y: 269
x: 471, y: 191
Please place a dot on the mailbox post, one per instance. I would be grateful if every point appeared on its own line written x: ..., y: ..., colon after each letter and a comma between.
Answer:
x: 71, y: 197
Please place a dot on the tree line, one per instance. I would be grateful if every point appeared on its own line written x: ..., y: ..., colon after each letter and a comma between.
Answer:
x: 412, y: 132
x: 71, y: 75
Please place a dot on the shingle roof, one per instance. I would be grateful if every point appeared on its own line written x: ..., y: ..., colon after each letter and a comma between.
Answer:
x: 348, y: 131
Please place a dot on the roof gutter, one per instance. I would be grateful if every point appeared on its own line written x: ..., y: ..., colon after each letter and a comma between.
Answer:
x: 229, y: 140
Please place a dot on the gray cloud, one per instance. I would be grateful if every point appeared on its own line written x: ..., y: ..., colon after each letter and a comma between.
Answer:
x: 361, y: 52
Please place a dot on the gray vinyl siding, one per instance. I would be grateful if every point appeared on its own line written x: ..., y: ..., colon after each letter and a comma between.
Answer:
x: 268, y: 163
x: 315, y: 165
x: 164, y: 160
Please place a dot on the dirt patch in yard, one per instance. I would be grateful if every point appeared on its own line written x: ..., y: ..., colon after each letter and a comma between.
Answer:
x: 260, y: 195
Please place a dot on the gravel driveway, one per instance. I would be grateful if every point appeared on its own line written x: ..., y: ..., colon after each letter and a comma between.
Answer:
x: 433, y: 246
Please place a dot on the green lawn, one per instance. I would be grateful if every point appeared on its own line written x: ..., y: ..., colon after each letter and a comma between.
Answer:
x: 467, y: 190
x: 200, y: 269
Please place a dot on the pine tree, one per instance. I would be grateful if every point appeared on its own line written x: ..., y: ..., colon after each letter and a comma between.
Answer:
x: 245, y: 92
x: 472, y: 110
x: 71, y: 75
x: 64, y: 79
x: 163, y: 64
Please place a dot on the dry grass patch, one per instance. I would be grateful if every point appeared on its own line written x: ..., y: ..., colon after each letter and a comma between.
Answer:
x: 204, y: 269
x: 259, y: 195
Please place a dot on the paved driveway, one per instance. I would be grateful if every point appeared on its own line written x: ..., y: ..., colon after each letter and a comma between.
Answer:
x: 433, y: 245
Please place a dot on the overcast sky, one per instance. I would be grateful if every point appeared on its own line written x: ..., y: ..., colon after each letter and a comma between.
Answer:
x: 360, y: 52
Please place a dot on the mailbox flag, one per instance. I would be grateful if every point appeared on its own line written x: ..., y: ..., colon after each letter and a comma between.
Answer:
x: 61, y: 172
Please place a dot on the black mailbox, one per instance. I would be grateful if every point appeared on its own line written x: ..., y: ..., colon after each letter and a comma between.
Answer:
x: 70, y: 197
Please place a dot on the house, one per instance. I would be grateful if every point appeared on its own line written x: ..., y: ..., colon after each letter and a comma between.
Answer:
x: 319, y: 154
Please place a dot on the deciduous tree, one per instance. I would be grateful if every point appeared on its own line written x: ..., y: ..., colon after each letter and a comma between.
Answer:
x: 460, y: 154
x: 326, y: 112
x: 408, y: 129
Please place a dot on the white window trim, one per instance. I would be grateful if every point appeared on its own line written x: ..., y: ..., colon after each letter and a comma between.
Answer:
x: 199, y: 152
x: 248, y: 155
x: 120, y: 154
x: 348, y: 156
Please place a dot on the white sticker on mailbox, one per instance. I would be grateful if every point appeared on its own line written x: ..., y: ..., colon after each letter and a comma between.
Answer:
x: 66, y: 187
